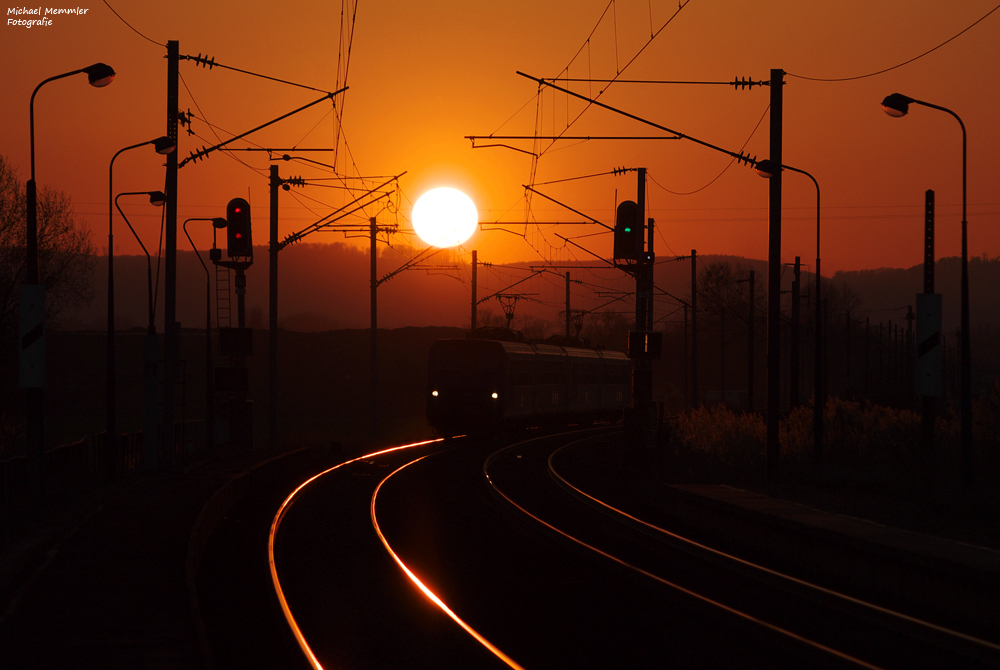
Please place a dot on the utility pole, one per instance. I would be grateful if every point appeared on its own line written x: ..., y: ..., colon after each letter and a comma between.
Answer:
x: 567, y: 303
x: 751, y: 316
x: 272, y: 316
x: 694, y: 329
x: 930, y: 355
x: 373, y: 231
x: 171, y: 336
x: 774, y: 282
x: 794, y: 335
x: 474, y: 308
x: 722, y: 353
x: 687, y: 398
x: 642, y: 382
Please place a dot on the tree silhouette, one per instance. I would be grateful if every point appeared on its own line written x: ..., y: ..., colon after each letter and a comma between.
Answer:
x: 66, y: 257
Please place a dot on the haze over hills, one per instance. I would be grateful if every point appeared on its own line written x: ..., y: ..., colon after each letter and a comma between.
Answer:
x: 326, y: 286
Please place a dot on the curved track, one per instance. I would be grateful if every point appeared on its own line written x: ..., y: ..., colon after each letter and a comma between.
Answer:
x: 844, y: 628
x: 382, y: 556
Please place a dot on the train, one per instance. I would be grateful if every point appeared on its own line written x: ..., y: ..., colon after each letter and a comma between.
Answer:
x: 479, y: 386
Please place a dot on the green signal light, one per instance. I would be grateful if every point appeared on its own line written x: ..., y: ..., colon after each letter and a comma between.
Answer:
x: 628, y: 230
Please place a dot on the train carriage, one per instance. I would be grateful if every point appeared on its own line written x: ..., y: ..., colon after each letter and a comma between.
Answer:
x: 485, y: 385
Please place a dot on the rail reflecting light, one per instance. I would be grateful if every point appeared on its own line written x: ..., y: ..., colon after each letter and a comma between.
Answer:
x: 426, y: 591
x: 285, y: 506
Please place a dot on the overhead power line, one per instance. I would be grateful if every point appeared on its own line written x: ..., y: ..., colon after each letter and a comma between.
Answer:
x: 906, y: 62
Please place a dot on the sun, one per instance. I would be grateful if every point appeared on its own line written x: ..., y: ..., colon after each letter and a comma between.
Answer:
x: 444, y: 217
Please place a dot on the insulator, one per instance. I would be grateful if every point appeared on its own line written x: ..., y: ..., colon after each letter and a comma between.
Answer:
x: 203, y: 61
x: 745, y: 82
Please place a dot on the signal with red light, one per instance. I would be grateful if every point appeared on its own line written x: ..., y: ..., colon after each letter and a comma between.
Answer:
x: 238, y: 230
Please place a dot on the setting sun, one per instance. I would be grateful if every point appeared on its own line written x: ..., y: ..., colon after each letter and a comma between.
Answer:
x: 444, y: 217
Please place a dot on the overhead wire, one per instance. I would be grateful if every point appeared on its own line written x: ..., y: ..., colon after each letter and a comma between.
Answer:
x: 725, y: 169
x: 131, y: 27
x: 906, y: 62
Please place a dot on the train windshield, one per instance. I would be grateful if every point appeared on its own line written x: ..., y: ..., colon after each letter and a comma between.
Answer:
x: 465, y: 356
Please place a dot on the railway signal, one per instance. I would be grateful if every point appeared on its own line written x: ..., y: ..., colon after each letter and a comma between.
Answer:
x: 238, y: 230
x: 628, y: 231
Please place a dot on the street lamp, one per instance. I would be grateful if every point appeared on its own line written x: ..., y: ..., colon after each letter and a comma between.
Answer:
x: 767, y: 169
x: 163, y: 145
x: 217, y: 223
x: 157, y: 199
x: 31, y: 305
x: 99, y: 75
x: 897, y: 105
x: 150, y: 431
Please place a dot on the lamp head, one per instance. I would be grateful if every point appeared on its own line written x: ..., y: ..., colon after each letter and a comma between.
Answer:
x: 99, y: 74
x: 896, y: 105
x: 766, y: 168
x: 164, y: 145
x: 220, y: 222
x: 157, y: 198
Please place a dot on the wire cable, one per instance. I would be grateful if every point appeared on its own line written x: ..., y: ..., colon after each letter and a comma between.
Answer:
x: 120, y: 18
x: 929, y: 51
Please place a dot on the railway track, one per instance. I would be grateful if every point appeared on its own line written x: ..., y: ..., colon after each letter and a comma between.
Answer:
x: 405, y: 558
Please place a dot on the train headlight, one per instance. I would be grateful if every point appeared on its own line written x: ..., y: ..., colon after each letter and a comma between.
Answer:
x: 434, y: 393
x: 495, y: 396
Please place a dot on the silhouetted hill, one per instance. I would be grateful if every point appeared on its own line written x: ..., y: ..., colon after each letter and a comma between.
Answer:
x: 327, y: 286
x: 885, y: 292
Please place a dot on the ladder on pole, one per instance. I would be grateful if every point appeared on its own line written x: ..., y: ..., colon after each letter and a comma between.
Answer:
x: 223, y: 314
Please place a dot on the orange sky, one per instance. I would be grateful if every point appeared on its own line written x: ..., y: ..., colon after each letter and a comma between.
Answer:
x: 425, y: 74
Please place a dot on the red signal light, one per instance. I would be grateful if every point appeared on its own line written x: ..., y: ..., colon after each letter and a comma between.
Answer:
x: 238, y: 229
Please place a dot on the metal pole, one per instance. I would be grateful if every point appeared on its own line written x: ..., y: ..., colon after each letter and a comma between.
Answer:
x: 751, y: 317
x: 694, y: 329
x: 793, y: 362
x: 687, y: 399
x: 374, y: 332
x: 272, y: 317
x: 966, y: 353
x: 928, y: 408
x: 774, y: 282
x: 209, y: 386
x: 171, y: 342
x: 651, y: 279
x: 722, y: 353
x: 819, y: 371
x: 474, y: 308
x: 567, y: 303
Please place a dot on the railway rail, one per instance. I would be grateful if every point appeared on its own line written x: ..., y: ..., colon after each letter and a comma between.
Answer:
x: 552, y: 577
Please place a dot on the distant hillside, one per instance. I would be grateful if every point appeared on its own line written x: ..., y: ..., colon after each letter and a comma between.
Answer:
x: 886, y: 292
x: 326, y: 286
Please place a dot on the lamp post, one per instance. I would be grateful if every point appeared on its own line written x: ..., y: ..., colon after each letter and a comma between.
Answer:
x: 897, y: 105
x: 766, y: 168
x: 163, y: 146
x: 157, y: 199
x: 31, y: 306
x: 150, y: 434
x: 217, y: 223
